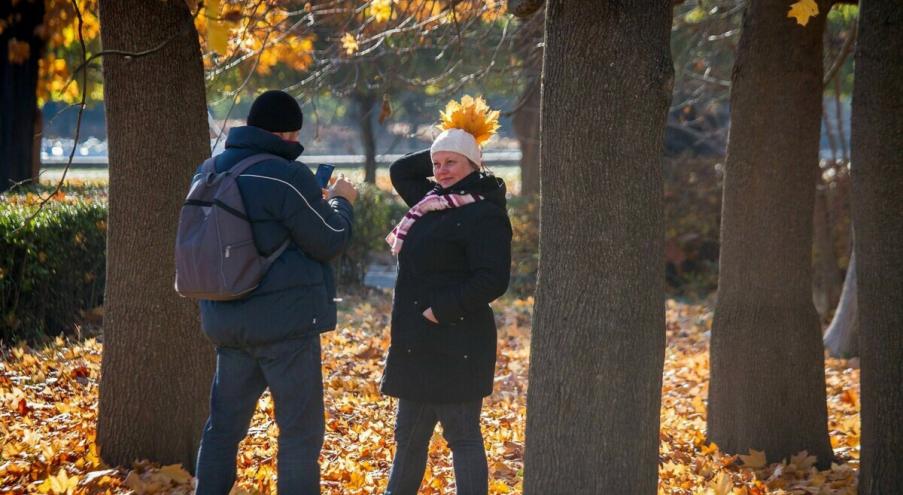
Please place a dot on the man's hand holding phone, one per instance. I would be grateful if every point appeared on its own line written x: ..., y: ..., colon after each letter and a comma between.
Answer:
x: 343, y: 187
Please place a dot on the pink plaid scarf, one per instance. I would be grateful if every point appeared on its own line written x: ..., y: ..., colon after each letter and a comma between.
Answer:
x: 431, y: 202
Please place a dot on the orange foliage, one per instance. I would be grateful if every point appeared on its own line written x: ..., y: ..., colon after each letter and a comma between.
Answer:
x: 60, y: 30
x: 49, y: 400
x: 272, y: 32
x: 260, y: 29
x: 230, y: 29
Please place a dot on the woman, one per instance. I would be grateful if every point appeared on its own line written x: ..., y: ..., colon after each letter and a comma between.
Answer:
x: 454, y: 257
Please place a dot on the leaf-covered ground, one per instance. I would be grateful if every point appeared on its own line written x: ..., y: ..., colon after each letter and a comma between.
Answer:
x: 49, y: 399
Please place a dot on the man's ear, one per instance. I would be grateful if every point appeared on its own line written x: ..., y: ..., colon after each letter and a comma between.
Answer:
x: 289, y: 136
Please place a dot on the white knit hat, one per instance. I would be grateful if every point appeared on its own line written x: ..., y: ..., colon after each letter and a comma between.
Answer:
x: 458, y: 141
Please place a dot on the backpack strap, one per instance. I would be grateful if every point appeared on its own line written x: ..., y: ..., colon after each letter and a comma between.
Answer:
x: 209, y: 166
x: 237, y: 170
x: 278, y: 252
x: 207, y: 169
x: 210, y: 175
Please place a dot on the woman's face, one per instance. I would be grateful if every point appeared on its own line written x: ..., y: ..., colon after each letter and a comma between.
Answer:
x: 450, y: 167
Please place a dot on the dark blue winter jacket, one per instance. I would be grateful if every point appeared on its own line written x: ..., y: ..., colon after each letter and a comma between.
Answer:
x: 283, y: 201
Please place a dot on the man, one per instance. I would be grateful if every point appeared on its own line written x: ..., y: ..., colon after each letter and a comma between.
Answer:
x: 271, y: 338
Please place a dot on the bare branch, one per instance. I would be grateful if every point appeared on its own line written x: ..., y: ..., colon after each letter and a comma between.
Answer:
x: 238, y: 90
x: 845, y: 51
x: 124, y: 53
x: 78, y: 122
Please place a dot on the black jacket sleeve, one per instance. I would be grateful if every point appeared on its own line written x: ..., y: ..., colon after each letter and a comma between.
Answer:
x: 410, y: 176
x: 321, y: 229
x: 488, y: 251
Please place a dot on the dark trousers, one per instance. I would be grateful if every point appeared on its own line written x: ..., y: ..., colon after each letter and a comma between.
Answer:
x: 414, y: 426
x: 292, y: 371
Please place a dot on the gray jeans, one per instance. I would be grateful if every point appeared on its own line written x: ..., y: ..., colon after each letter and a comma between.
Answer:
x: 414, y: 426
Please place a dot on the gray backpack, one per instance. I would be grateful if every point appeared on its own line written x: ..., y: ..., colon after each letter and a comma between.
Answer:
x: 216, y: 258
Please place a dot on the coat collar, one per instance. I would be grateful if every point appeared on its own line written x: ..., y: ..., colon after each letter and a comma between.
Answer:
x: 489, y: 186
x: 259, y: 140
x: 461, y: 186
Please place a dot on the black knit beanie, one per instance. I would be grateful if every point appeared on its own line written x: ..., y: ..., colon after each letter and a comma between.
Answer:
x: 276, y: 111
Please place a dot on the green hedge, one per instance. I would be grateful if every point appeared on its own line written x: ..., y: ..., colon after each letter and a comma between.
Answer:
x: 375, y: 213
x: 52, y: 269
x: 524, y: 214
x: 692, y: 208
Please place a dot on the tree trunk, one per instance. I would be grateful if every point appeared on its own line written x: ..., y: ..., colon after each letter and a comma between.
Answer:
x: 766, y: 349
x: 156, y: 365
x: 526, y: 118
x: 599, y: 335
x: 524, y: 8
x: 842, y: 337
x: 826, y: 282
x: 366, y: 105
x: 36, y: 142
x: 18, y: 91
x: 526, y: 126
x: 877, y: 171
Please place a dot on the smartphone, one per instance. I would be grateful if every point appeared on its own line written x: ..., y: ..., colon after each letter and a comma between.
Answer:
x: 324, y: 172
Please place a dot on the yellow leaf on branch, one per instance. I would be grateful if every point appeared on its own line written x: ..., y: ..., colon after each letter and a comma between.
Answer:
x: 381, y: 10
x: 349, y: 44
x: 217, y: 29
x: 803, y: 10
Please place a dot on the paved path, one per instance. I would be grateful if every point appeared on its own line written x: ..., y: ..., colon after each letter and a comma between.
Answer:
x: 380, y: 276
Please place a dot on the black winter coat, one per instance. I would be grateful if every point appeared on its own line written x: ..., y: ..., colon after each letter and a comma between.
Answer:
x: 456, y: 261
x: 283, y: 201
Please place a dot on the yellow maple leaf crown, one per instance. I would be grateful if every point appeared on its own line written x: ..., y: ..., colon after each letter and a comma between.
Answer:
x: 471, y: 115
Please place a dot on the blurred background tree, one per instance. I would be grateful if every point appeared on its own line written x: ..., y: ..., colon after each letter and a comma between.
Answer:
x: 39, y: 47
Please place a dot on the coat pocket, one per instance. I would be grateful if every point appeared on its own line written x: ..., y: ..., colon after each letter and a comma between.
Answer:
x: 446, y: 339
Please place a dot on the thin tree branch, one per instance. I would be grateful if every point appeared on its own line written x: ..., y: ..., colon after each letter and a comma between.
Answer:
x: 238, y: 90
x: 78, y: 122
x: 841, y: 58
x: 125, y: 53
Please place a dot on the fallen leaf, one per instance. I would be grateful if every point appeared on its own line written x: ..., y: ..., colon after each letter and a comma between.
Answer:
x: 755, y: 459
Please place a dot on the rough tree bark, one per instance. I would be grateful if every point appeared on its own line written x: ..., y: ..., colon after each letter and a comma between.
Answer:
x: 877, y: 172
x: 366, y: 106
x: 842, y: 336
x: 766, y: 349
x: 598, y: 340
x: 18, y: 92
x: 156, y: 365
